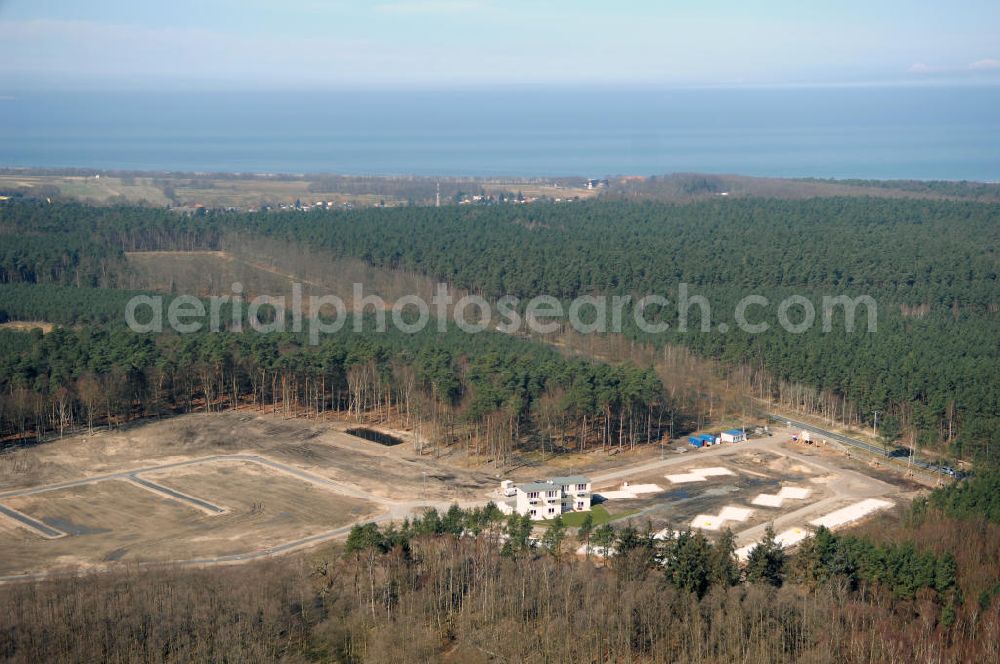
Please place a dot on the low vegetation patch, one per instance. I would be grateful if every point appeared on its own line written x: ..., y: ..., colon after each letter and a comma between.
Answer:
x: 598, y: 514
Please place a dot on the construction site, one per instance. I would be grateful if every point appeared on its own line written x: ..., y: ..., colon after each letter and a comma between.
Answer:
x: 773, y: 481
x: 224, y: 488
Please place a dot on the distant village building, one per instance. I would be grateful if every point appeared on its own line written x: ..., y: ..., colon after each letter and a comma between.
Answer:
x: 595, y: 183
x: 546, y: 499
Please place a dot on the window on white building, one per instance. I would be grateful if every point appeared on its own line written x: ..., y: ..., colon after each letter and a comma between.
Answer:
x: 581, y: 487
x: 552, y: 510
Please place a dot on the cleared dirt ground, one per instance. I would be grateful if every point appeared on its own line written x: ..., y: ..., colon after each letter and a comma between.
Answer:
x: 295, y: 482
x: 320, y: 446
x: 754, y: 473
x: 759, y: 468
x: 115, y: 520
x: 27, y: 325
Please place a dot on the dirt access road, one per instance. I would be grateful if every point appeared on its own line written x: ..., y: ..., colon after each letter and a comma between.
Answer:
x: 388, y: 509
x: 850, y: 485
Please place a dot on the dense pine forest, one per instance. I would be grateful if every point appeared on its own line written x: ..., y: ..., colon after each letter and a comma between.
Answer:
x: 485, y: 391
x: 470, y: 585
x: 931, y: 266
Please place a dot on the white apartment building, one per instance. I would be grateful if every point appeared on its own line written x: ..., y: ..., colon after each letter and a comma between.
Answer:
x: 546, y: 499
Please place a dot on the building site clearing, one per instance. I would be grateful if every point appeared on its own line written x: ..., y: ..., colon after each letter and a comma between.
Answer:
x: 223, y: 488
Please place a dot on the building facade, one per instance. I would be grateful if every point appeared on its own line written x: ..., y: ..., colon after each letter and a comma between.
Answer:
x: 734, y: 436
x: 546, y: 499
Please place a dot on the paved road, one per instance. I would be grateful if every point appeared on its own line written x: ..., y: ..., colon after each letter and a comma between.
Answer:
x: 340, y: 487
x: 392, y: 510
x: 176, y: 495
x: 854, y: 442
x: 232, y: 559
x: 852, y: 484
x: 33, y: 524
x: 670, y: 459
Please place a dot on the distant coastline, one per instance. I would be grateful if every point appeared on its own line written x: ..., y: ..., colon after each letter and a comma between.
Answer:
x: 898, y: 133
x: 193, y: 192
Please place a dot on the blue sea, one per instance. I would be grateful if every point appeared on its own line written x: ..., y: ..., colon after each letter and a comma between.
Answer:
x: 862, y: 132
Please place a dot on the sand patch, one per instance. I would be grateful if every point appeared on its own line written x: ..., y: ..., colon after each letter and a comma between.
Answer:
x: 778, y: 499
x: 685, y: 478
x: 852, y: 513
x: 699, y: 474
x: 629, y: 491
x: 717, y: 521
x: 730, y: 513
x: 791, y: 537
x: 785, y: 539
x: 714, y: 471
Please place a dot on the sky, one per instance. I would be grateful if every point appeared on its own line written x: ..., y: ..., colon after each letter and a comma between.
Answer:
x: 340, y: 44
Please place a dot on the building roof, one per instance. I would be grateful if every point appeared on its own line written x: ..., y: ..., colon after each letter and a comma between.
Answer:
x: 552, y: 484
x: 536, y: 486
x: 735, y: 432
x: 570, y: 479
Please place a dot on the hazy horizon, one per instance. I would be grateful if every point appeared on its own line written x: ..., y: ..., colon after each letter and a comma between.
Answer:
x: 455, y: 44
x: 894, y: 90
x: 926, y: 133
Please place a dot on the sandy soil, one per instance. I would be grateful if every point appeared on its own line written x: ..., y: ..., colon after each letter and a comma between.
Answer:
x: 754, y: 472
x: 116, y: 520
x: 319, y: 446
x: 27, y: 325
x: 356, y: 479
